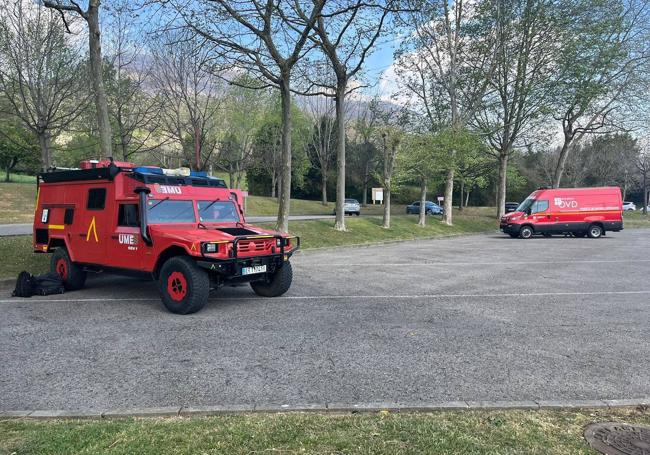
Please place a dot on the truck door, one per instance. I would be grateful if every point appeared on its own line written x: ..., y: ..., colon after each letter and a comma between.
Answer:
x: 541, y: 216
x: 90, y: 225
x: 126, y: 244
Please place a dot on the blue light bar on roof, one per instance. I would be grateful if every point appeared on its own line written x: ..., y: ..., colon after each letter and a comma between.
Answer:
x: 148, y: 170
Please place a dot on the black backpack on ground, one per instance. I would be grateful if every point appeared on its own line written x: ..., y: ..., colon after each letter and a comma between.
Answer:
x: 28, y: 285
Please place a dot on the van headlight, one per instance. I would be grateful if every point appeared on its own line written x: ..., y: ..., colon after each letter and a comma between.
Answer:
x: 210, y: 247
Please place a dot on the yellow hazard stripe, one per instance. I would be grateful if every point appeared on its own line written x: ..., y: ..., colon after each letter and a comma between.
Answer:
x: 59, y: 227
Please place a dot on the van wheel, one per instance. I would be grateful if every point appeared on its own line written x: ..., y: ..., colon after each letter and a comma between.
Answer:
x: 595, y: 231
x: 73, y: 276
x: 274, y: 285
x: 183, y: 285
x: 526, y: 232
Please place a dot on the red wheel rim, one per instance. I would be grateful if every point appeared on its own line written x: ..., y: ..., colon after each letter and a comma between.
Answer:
x: 177, y: 286
x: 62, y: 268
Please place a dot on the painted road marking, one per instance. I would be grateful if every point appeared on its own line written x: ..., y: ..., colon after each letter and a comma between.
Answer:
x: 395, y: 264
x: 355, y: 297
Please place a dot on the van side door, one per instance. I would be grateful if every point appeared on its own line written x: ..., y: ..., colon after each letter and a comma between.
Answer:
x: 126, y: 243
x: 541, y: 216
x: 90, y: 225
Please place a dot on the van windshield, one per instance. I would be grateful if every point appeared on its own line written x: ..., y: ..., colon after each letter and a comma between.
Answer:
x: 170, y: 211
x: 524, y: 206
x: 217, y: 211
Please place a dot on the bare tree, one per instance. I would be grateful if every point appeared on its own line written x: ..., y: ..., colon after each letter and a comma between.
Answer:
x: 91, y: 16
x: 39, y: 73
x: 190, y: 95
x: 526, y: 41
x: 346, y: 33
x: 320, y: 141
x: 643, y: 165
x: 243, y: 114
x: 446, y: 65
x: 134, y: 112
x: 390, y: 143
x: 365, y: 129
x: 267, y: 38
x: 598, y: 70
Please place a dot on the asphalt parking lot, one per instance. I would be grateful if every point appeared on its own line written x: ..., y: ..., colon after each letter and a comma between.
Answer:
x: 471, y: 318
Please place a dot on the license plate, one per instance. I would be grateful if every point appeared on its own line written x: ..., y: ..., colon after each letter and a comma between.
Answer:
x: 252, y: 270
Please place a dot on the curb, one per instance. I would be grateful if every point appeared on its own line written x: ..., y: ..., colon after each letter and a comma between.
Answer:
x: 340, y: 408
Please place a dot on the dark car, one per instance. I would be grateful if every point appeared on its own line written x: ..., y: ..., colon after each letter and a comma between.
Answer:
x: 511, y: 206
x: 431, y: 208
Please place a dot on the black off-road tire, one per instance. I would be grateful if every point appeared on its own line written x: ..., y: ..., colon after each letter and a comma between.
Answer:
x: 595, y: 231
x: 526, y: 232
x: 184, y: 286
x: 275, y: 285
x: 73, y: 276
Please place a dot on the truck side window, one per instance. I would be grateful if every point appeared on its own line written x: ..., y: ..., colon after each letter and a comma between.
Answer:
x: 128, y: 215
x: 539, y: 206
x: 96, y: 199
x: 68, y: 217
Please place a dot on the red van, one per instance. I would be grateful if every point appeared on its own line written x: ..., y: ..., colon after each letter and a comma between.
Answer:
x: 577, y: 211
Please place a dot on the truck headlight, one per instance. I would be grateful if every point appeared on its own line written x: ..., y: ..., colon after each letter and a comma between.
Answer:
x: 210, y: 247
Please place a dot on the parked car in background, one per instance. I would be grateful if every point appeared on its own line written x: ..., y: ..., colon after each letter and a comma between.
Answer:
x: 431, y: 208
x: 511, y: 206
x: 629, y: 206
x: 351, y: 207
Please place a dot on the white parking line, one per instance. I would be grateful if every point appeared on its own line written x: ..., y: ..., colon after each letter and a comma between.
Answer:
x: 369, y: 296
x: 394, y: 264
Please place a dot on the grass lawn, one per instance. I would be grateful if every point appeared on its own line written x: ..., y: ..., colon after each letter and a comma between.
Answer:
x: 636, y: 220
x: 17, y: 255
x: 267, y: 206
x: 364, y: 230
x: 17, y: 202
x: 457, y: 432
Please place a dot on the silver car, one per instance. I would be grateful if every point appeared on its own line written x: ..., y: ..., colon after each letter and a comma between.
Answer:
x: 351, y: 207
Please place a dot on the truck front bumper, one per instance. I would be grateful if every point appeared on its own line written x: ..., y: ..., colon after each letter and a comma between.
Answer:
x: 232, y: 269
x: 512, y: 229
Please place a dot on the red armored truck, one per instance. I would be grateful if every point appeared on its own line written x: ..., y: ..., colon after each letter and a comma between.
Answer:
x: 577, y: 211
x: 182, y: 228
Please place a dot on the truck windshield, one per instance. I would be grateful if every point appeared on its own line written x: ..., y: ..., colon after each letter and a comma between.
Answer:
x: 217, y: 211
x: 170, y: 211
x: 524, y: 206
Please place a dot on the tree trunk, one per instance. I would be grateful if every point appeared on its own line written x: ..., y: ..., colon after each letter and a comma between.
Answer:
x: 364, y: 197
x: 501, y: 188
x: 449, y: 195
x: 462, y: 193
x: 197, y: 149
x: 339, y: 225
x: 284, y: 206
x: 8, y: 174
x: 561, y: 162
x: 323, y: 182
x: 423, y: 203
x: 645, y: 194
x: 386, y: 205
x: 101, y: 105
x: 274, y: 183
x: 44, y: 141
x: 467, y: 198
x: 231, y: 178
